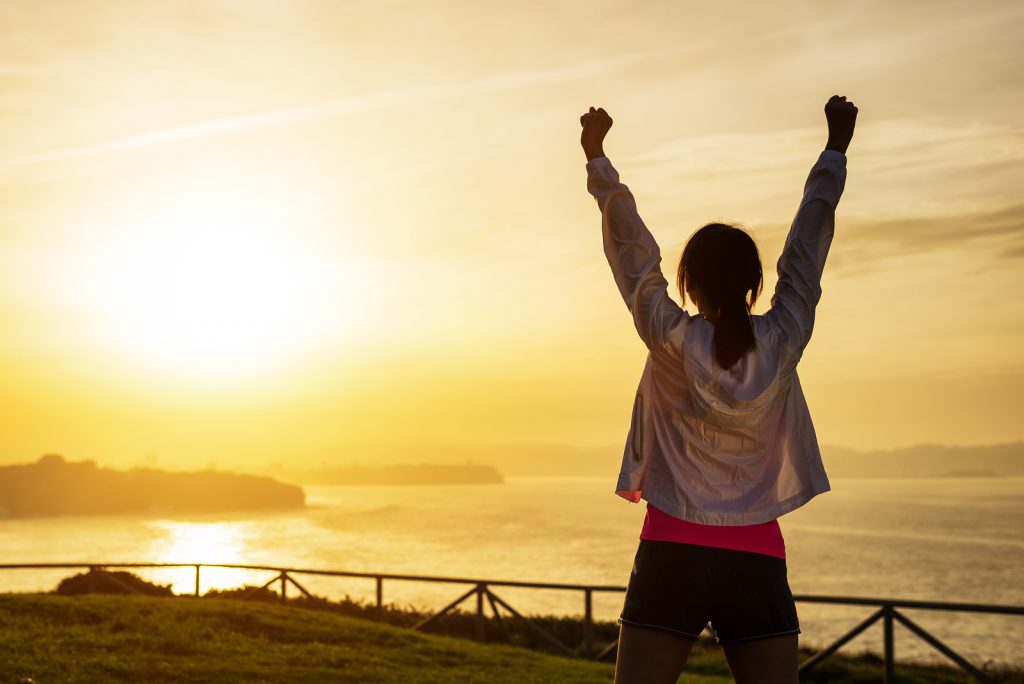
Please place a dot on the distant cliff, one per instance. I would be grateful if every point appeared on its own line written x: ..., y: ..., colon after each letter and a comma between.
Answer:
x: 53, y: 486
x: 408, y: 474
x: 927, y: 460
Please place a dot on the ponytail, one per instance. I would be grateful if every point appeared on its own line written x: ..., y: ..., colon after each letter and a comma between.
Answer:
x: 734, y: 336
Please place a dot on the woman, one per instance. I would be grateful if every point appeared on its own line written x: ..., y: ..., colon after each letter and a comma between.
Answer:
x: 720, y: 442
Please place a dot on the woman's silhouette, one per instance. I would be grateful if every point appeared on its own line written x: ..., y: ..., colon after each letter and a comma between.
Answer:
x: 720, y: 441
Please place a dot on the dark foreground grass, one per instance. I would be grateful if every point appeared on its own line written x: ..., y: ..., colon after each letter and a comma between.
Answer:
x: 97, y: 638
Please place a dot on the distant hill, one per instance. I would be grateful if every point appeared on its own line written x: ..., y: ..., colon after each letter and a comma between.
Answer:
x: 407, y: 474
x: 54, y: 486
x: 553, y: 459
x: 927, y: 460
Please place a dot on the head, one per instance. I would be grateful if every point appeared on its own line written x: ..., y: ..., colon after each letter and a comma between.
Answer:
x: 720, y: 271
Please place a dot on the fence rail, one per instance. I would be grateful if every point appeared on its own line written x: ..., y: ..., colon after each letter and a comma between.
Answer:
x: 481, y: 589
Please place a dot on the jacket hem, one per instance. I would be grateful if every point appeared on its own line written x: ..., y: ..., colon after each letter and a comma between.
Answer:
x: 704, y: 517
x: 630, y: 495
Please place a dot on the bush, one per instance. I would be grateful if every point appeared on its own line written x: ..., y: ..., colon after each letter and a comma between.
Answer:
x: 249, y: 592
x: 106, y: 582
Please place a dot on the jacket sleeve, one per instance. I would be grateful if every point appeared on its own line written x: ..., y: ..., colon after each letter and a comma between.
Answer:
x: 803, y: 256
x: 635, y: 259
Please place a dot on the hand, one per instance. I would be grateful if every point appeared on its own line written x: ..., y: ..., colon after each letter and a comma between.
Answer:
x: 595, y: 124
x: 841, y: 117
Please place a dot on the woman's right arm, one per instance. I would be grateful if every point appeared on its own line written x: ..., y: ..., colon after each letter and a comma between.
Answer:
x: 632, y: 251
x: 803, y: 257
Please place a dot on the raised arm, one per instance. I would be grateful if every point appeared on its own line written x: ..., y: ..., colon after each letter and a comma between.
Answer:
x: 632, y: 251
x: 803, y: 257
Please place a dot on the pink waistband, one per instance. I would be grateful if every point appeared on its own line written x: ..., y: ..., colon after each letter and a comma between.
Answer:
x: 763, y: 538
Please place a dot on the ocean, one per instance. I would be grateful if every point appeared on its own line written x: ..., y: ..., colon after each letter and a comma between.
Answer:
x: 944, y: 539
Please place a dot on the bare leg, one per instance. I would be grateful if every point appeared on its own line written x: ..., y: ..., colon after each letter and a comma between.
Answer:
x: 650, y: 656
x: 774, y: 660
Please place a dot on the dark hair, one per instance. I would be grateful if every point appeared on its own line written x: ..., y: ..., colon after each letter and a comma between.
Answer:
x: 722, y: 262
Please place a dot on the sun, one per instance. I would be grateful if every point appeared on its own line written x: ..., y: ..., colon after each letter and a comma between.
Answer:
x: 211, y: 279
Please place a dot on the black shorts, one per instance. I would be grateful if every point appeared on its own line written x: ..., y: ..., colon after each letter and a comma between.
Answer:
x: 680, y: 588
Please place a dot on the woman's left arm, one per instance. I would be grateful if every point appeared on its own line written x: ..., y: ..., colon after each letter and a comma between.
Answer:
x: 631, y: 249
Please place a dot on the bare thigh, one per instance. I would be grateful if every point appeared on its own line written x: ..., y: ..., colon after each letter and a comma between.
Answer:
x: 765, y: 661
x: 650, y: 656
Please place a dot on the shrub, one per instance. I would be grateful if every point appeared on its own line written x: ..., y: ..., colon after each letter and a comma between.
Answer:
x: 97, y: 581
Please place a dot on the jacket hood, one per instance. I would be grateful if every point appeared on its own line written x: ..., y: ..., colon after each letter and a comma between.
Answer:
x: 738, y: 396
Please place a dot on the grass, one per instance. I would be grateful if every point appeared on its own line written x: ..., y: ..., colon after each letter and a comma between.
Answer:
x: 92, y: 639
x: 101, y: 638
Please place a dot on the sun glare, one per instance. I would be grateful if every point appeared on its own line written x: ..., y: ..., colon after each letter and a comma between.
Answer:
x: 204, y: 542
x: 211, y: 281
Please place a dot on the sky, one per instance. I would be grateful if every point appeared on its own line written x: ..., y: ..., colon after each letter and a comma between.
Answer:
x: 322, y: 233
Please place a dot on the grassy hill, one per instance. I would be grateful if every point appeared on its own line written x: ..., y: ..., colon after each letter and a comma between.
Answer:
x: 100, y: 638
x: 90, y: 639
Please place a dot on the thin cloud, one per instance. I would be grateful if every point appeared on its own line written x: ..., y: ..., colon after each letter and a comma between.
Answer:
x: 1013, y: 253
x: 866, y: 243
x: 918, y: 233
x: 346, y: 106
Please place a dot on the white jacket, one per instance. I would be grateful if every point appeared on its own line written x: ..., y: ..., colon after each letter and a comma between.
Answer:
x: 714, y: 446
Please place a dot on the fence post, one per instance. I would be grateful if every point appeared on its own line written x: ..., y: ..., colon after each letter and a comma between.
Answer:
x: 197, y: 580
x: 284, y: 586
x: 380, y: 597
x: 480, y: 589
x: 588, y: 623
x: 887, y: 622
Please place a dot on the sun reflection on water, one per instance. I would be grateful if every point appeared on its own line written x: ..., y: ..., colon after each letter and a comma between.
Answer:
x: 202, y: 542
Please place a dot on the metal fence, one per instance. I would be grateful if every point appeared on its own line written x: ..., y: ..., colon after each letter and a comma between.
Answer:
x: 481, y: 589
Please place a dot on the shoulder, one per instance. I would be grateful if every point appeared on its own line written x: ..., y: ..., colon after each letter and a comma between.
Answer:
x: 699, y: 332
x: 773, y: 340
x: 764, y: 326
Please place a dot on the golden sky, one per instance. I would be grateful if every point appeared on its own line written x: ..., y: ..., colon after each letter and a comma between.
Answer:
x: 315, y: 232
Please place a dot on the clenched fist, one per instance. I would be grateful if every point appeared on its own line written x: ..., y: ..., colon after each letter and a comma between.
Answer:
x: 841, y: 117
x: 596, y: 124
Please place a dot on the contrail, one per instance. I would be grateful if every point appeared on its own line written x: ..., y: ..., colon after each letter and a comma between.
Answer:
x: 340, y: 107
